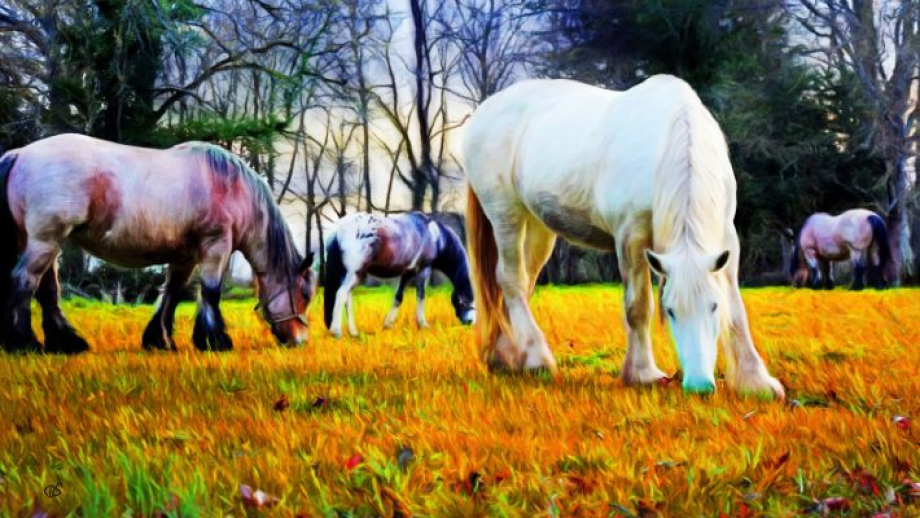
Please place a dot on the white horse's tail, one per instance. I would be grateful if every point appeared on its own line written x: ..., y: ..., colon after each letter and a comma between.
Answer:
x: 8, y: 246
x: 483, y: 252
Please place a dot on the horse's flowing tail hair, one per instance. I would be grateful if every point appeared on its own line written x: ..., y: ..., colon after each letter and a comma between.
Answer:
x: 9, y: 247
x: 335, y: 273
x: 880, y: 238
x: 483, y: 251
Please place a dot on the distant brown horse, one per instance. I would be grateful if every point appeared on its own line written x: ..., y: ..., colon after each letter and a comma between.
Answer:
x: 856, y: 235
x: 190, y: 205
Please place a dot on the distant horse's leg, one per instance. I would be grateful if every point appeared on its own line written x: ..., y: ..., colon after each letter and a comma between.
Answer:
x: 36, y: 259
x: 210, y: 332
x: 811, y: 261
x: 746, y: 370
x: 350, y: 309
x: 397, y: 300
x: 529, y: 349
x: 60, y: 336
x: 341, y: 297
x: 827, y: 279
x: 158, y: 334
x: 859, y: 270
x: 420, y: 281
x: 639, y: 368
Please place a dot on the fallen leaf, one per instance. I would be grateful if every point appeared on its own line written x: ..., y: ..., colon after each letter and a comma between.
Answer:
x: 779, y: 461
x: 354, y: 461
x: 825, y: 506
x: 404, y: 457
x: 473, y: 483
x: 320, y: 403
x: 911, y: 488
x: 748, y: 415
x: 257, y: 499
x: 282, y: 404
x: 866, y: 482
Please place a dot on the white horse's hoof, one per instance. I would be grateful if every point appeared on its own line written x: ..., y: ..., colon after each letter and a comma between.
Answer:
x: 762, y: 385
x: 336, y: 334
x: 648, y: 376
x: 539, y: 361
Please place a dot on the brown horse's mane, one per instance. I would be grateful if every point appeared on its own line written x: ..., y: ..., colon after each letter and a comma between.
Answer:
x: 282, y: 254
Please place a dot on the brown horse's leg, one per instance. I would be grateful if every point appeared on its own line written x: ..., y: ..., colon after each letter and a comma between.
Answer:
x: 17, y: 334
x: 158, y: 334
x: 210, y: 332
x: 60, y: 336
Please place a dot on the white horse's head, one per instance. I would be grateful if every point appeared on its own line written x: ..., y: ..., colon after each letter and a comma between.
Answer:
x: 694, y: 299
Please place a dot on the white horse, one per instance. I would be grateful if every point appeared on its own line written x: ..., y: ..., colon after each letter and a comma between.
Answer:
x: 644, y: 172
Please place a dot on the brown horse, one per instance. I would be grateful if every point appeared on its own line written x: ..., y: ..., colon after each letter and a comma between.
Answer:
x: 857, y: 235
x: 190, y: 205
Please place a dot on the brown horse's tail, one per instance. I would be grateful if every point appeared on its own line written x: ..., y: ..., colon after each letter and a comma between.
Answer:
x: 490, y: 318
x: 9, y: 247
x: 880, y: 239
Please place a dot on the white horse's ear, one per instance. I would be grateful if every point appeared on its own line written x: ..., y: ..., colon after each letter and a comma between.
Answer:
x: 720, y: 261
x: 656, y: 263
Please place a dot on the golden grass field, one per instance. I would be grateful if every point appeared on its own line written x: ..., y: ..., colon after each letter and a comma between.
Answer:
x: 413, y: 424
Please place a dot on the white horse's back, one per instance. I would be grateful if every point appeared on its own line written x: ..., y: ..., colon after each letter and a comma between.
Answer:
x: 581, y: 147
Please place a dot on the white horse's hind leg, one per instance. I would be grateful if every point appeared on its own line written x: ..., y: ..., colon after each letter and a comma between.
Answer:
x: 538, y: 247
x: 638, y: 306
x: 341, y: 297
x: 746, y: 370
x: 350, y: 309
x: 533, y: 353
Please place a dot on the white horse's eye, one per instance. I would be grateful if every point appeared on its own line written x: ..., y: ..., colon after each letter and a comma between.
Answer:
x: 715, y: 305
x: 671, y: 314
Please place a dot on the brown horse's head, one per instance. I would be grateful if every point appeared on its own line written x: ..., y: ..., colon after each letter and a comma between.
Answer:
x: 283, y: 300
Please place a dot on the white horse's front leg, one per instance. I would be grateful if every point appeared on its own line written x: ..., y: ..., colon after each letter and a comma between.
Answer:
x: 341, y: 298
x: 747, y: 373
x: 639, y: 367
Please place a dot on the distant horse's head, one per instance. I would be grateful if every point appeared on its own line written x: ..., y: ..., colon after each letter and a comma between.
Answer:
x: 694, y: 298
x: 283, y: 300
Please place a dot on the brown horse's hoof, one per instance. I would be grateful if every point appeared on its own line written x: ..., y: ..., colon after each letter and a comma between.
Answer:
x: 65, y: 342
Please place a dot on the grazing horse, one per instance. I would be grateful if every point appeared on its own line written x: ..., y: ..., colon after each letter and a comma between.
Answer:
x: 193, y: 204
x: 644, y: 172
x: 403, y: 246
x: 857, y: 235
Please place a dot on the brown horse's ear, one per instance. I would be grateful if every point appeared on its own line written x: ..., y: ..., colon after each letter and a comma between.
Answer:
x: 720, y: 261
x: 306, y: 265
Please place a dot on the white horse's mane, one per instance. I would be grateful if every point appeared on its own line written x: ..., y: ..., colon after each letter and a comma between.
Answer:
x: 691, y: 193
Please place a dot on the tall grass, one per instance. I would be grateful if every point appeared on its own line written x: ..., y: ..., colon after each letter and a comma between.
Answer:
x: 408, y: 421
